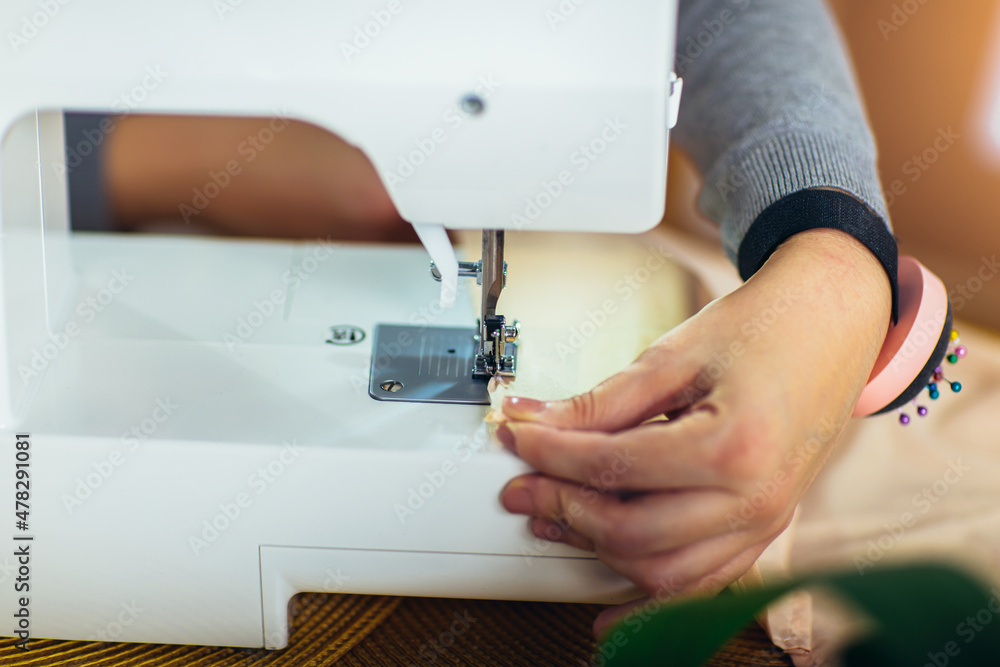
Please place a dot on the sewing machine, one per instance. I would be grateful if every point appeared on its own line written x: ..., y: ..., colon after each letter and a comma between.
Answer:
x: 197, y: 428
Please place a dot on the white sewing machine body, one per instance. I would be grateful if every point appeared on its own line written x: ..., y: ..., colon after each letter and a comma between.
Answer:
x: 198, y: 451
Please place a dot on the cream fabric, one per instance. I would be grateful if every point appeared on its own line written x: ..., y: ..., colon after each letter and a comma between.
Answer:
x: 587, y: 305
x: 888, y: 494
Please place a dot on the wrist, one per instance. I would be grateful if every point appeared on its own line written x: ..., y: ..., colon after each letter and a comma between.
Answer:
x: 841, y: 271
x: 843, y: 305
x: 819, y: 208
x: 850, y: 296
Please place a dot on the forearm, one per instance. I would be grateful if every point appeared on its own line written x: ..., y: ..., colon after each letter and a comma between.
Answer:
x: 770, y: 108
x: 154, y: 164
x: 247, y: 176
x: 770, y: 112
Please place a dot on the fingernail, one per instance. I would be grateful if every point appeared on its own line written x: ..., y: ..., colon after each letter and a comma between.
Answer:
x: 524, y: 405
x: 506, y: 437
x: 517, y: 500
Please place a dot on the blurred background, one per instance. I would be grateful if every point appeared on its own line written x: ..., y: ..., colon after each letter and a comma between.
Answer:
x: 930, y: 74
x: 929, y: 71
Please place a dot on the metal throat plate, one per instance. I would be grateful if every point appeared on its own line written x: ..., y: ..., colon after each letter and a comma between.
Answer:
x: 426, y: 365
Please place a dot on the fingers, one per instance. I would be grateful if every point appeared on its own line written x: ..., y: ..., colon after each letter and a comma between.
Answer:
x: 556, y: 531
x: 649, y: 523
x: 705, y: 447
x: 636, y: 613
x: 652, y: 385
x: 688, y: 542
x: 700, y: 568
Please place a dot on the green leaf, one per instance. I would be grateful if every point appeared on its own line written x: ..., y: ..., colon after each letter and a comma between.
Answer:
x: 925, y: 615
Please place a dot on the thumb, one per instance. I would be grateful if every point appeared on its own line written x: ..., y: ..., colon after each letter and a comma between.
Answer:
x: 652, y: 385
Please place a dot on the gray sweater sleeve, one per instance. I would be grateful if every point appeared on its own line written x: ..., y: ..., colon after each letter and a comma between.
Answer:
x: 771, y: 112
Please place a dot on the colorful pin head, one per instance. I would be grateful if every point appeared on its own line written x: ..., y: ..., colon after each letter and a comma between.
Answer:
x: 955, y: 352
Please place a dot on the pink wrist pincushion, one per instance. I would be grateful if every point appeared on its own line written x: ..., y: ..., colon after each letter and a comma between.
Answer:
x: 914, y: 347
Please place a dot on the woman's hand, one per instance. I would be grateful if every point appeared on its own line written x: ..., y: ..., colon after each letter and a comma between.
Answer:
x: 756, y: 389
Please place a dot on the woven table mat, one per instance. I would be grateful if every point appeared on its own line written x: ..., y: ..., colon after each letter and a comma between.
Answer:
x: 362, y: 631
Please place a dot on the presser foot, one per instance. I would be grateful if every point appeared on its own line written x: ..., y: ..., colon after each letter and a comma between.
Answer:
x: 419, y: 364
x: 497, y: 353
x: 449, y: 364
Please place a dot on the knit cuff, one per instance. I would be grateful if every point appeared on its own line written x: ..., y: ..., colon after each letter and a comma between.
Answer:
x: 814, y: 209
x: 775, y: 161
